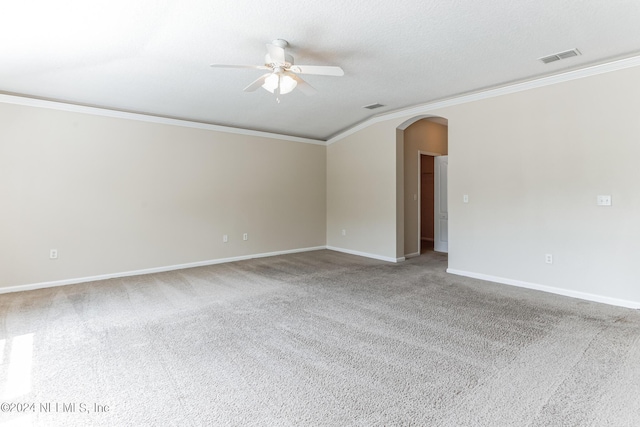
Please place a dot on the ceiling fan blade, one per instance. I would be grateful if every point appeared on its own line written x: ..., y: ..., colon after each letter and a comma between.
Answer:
x: 318, y: 69
x: 254, y: 67
x: 276, y: 53
x: 257, y: 83
x: 304, y: 87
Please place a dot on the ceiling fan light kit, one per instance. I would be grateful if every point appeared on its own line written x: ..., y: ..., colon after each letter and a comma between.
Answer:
x: 284, y: 82
x: 282, y: 77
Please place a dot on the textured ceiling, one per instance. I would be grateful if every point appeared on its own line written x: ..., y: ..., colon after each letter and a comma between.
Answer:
x: 153, y: 57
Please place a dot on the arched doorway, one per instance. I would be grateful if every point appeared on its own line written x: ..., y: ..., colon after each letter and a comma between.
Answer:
x: 420, y: 140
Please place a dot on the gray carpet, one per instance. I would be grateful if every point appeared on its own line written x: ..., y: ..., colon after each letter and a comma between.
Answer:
x: 316, y: 339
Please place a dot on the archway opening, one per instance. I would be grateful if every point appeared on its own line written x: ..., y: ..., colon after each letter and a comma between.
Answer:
x: 422, y: 139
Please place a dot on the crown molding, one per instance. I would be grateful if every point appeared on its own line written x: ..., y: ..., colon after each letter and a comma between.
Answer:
x: 423, y: 109
x: 104, y: 112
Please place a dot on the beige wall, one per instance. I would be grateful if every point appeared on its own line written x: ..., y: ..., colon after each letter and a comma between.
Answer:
x: 361, y: 186
x: 426, y: 136
x: 532, y: 164
x: 115, y: 195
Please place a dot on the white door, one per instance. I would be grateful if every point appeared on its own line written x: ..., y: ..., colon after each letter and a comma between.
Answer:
x: 441, y: 225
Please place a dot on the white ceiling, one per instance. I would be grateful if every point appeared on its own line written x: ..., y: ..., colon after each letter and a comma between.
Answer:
x: 153, y: 56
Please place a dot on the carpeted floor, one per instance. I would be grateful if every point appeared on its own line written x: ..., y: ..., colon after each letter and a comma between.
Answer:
x: 315, y: 339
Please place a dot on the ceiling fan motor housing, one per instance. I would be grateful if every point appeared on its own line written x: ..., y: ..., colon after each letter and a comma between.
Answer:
x: 288, y: 61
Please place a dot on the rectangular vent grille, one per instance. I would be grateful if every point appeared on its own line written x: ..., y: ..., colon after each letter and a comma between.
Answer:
x: 373, y: 106
x: 561, y: 55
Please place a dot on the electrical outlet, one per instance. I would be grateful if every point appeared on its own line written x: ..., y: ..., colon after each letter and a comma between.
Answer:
x: 604, y: 200
x: 548, y: 258
x: 53, y: 254
x: 225, y: 238
x: 245, y: 236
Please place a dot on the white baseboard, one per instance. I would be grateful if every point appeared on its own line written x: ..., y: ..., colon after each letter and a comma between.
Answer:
x: 559, y: 291
x: 413, y: 255
x: 42, y: 285
x: 366, y: 255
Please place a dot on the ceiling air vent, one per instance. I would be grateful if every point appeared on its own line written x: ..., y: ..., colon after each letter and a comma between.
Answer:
x: 373, y: 106
x: 561, y: 55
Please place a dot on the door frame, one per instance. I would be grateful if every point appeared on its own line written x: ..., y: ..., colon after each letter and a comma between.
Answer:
x: 438, y: 188
x: 420, y: 154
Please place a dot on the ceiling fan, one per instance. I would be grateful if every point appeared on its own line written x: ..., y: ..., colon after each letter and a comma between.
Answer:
x: 283, y: 76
